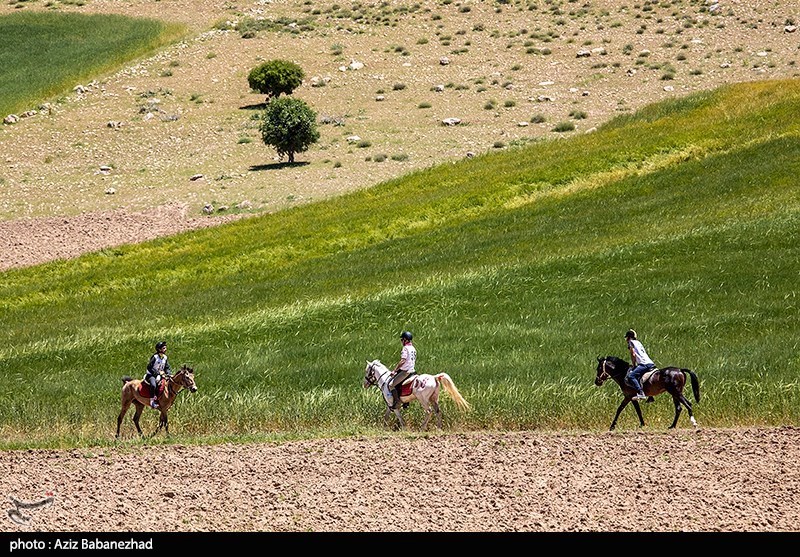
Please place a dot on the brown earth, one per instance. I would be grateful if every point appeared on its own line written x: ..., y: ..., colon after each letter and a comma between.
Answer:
x: 715, y: 480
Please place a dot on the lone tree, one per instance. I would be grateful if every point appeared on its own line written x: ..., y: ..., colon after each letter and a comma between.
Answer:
x: 289, y: 125
x: 275, y: 77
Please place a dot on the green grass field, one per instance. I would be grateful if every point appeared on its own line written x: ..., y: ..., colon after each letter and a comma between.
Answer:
x: 514, y: 270
x: 46, y: 54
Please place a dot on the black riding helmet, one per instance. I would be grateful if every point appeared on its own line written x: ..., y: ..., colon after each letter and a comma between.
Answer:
x: 405, y: 335
x: 160, y: 345
x: 631, y: 334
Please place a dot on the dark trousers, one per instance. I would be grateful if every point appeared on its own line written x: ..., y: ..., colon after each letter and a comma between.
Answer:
x: 634, y: 377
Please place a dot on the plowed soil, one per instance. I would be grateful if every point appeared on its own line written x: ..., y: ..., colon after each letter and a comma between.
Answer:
x: 685, y: 480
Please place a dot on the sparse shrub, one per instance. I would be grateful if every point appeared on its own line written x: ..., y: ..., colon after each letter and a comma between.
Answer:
x: 498, y: 145
x: 379, y: 157
x: 400, y: 157
x: 363, y: 144
x: 243, y: 140
x: 578, y: 114
x: 510, y: 103
x: 564, y: 127
x: 490, y: 105
x: 538, y: 118
x: 398, y: 86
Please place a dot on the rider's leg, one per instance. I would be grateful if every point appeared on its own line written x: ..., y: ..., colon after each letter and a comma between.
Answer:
x: 394, y: 387
x: 153, y: 391
x: 634, y: 379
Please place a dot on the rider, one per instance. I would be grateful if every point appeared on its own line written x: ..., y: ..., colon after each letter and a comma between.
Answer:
x: 158, y: 365
x: 404, y: 368
x: 641, y: 364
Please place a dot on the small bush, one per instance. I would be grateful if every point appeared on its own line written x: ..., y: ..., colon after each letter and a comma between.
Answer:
x: 564, y: 127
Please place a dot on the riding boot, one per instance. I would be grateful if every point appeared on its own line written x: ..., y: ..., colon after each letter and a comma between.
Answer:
x: 395, y: 398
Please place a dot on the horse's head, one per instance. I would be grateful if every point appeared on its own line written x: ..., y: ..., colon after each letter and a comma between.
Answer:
x: 185, y: 378
x: 369, y: 373
x: 607, y: 367
x: 603, y: 365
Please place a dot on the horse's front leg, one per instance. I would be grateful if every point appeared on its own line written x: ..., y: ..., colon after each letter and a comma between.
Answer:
x: 638, y: 412
x: 622, y: 405
x: 400, y: 421
x: 136, y: 416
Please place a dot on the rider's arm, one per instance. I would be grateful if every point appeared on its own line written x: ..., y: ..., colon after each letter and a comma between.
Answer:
x: 397, y: 367
x: 150, y: 364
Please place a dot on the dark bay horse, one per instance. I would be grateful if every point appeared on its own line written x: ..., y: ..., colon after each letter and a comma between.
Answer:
x: 131, y: 394
x: 661, y: 380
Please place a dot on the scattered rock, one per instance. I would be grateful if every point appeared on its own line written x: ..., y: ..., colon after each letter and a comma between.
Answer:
x: 444, y: 61
x: 208, y: 208
x: 196, y: 177
x: 583, y: 54
x: 451, y: 121
x: 11, y: 119
x: 790, y: 29
x: 111, y: 191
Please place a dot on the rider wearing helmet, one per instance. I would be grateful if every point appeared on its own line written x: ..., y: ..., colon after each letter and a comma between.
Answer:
x: 641, y: 364
x: 157, y: 366
x: 404, y: 368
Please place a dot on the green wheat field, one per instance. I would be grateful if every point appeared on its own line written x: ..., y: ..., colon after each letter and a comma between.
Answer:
x: 514, y: 270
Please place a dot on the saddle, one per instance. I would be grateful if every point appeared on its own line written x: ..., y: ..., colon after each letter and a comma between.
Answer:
x: 144, y: 389
x: 407, y: 386
x: 649, y: 374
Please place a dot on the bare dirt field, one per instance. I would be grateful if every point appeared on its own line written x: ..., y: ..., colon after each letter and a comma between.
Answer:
x: 716, y: 480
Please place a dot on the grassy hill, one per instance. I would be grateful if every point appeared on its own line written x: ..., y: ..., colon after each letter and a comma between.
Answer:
x: 514, y: 270
x: 45, y: 54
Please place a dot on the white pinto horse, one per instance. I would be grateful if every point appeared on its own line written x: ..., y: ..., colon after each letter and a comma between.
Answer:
x: 424, y: 388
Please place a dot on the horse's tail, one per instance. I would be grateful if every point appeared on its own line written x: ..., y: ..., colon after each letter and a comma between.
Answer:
x: 126, y: 379
x: 450, y: 387
x: 695, y: 383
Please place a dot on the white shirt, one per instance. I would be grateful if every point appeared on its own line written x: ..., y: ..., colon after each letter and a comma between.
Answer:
x: 639, y: 353
x: 409, y: 354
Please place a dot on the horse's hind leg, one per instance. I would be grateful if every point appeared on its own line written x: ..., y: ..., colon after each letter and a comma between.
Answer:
x: 125, y: 405
x: 677, y: 402
x: 683, y: 400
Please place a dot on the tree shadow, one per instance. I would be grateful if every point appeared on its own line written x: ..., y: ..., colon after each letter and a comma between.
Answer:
x: 277, y: 165
x: 259, y: 106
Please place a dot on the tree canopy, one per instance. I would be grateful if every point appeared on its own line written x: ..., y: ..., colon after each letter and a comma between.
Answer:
x: 289, y: 125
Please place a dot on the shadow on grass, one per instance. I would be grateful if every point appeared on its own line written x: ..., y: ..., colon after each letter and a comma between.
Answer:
x: 277, y: 165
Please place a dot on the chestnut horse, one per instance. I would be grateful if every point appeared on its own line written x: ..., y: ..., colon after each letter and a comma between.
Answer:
x: 424, y: 388
x: 660, y: 380
x: 184, y: 379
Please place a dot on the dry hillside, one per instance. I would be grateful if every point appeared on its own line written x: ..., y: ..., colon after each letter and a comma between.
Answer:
x: 120, y: 162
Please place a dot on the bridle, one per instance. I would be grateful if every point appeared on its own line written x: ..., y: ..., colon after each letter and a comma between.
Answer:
x: 604, y: 375
x: 370, y: 377
x: 171, y: 380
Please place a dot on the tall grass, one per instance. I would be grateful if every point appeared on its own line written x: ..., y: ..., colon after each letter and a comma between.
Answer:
x: 514, y: 270
x: 45, y: 54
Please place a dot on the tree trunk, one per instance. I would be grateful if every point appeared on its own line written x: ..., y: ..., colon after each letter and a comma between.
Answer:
x: 291, y: 157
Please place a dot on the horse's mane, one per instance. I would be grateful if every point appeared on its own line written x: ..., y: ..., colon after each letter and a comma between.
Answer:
x: 618, y: 363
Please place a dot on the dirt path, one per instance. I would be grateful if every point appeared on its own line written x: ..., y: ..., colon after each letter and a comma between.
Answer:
x: 728, y: 480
